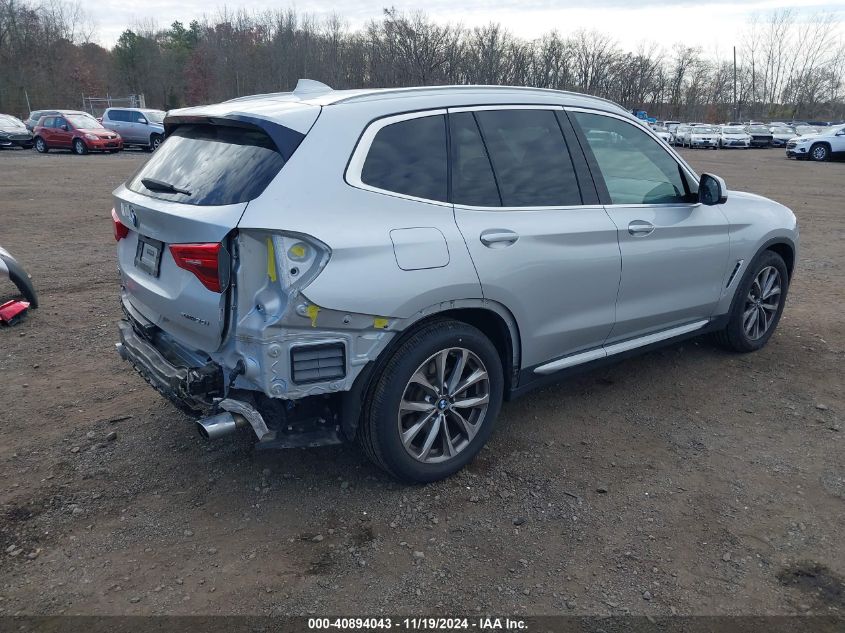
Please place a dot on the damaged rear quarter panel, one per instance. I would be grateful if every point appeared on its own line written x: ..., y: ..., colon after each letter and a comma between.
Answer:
x: 362, y: 297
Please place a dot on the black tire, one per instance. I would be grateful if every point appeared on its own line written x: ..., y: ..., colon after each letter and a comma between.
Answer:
x: 735, y: 337
x: 79, y: 147
x: 41, y: 145
x: 379, y: 433
x: 820, y: 152
x: 155, y: 141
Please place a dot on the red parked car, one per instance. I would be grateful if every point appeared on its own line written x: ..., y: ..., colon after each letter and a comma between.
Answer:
x: 78, y: 132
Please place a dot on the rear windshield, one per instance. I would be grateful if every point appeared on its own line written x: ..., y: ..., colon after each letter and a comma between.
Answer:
x: 216, y: 164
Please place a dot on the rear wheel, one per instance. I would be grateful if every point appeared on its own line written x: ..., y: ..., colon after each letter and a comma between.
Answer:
x: 820, y: 152
x: 434, y: 403
x: 757, y: 305
x: 79, y: 147
x: 41, y: 146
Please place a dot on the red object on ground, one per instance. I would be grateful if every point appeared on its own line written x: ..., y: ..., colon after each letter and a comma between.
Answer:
x: 12, y: 311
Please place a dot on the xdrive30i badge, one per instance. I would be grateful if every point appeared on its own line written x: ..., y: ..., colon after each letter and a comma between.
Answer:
x: 191, y: 317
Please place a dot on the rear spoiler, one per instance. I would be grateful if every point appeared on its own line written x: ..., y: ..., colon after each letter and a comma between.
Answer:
x: 286, y: 139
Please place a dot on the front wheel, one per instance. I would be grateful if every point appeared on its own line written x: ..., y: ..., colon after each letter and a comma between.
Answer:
x: 819, y: 152
x: 79, y: 147
x: 155, y: 142
x: 757, y: 305
x: 434, y: 402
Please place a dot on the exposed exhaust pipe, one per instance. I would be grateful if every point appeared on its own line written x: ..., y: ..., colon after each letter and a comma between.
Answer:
x: 220, y: 425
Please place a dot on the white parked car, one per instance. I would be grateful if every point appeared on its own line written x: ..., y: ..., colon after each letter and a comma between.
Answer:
x: 681, y: 134
x: 706, y: 136
x: 824, y: 145
x: 734, y: 136
x: 663, y: 134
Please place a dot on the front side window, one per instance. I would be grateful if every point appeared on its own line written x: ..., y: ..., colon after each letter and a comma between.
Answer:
x: 409, y: 157
x: 530, y: 158
x: 636, y: 168
x: 138, y: 117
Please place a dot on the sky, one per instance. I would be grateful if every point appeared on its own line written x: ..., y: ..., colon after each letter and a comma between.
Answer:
x: 715, y: 25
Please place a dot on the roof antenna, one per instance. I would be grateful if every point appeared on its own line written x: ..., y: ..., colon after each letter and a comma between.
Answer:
x: 309, y: 86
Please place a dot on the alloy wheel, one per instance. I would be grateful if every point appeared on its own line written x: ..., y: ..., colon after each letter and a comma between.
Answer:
x: 820, y: 152
x: 444, y: 405
x: 762, y: 303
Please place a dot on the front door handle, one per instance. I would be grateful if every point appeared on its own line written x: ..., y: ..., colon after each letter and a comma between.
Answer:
x: 498, y: 238
x: 640, y: 228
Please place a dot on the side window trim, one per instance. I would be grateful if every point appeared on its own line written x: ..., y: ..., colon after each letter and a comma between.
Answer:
x: 589, y: 192
x: 598, y: 178
x: 352, y: 176
x: 486, y: 154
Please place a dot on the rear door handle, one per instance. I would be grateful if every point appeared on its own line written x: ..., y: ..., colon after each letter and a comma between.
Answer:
x: 498, y: 238
x: 640, y: 228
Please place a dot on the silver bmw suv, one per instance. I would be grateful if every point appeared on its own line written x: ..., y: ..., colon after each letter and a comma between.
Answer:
x: 390, y: 265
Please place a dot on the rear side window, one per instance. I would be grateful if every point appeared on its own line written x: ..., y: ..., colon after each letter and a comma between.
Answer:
x: 218, y: 165
x: 473, y: 182
x: 409, y: 157
x: 117, y: 115
x: 530, y: 158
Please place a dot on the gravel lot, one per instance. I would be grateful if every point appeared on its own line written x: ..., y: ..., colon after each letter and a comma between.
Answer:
x: 687, y: 481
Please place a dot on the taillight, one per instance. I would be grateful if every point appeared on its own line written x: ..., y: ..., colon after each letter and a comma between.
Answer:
x: 120, y: 229
x: 203, y: 260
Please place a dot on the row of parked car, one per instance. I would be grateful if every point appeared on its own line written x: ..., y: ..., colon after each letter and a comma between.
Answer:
x: 801, y: 140
x: 80, y: 132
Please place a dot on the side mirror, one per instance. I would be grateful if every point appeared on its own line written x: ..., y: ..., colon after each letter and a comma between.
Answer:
x: 712, y: 190
x: 65, y: 127
x: 143, y: 121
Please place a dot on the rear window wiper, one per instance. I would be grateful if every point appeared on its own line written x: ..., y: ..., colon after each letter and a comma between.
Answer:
x: 165, y: 187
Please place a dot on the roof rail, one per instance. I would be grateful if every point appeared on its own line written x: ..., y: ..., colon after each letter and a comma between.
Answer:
x: 310, y: 86
x: 375, y: 93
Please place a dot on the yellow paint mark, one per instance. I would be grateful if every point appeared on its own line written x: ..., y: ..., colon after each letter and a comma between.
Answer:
x: 271, y: 259
x: 312, y: 311
x: 297, y: 251
x: 380, y: 323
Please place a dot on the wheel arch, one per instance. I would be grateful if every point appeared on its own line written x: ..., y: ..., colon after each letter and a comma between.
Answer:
x: 785, y: 250
x: 825, y: 143
x: 494, y: 320
x: 781, y: 246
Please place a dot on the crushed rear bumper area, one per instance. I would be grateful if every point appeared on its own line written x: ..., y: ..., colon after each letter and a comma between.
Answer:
x: 189, y: 388
x: 198, y: 391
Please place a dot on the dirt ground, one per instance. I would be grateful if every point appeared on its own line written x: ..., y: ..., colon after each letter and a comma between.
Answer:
x: 688, y: 480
